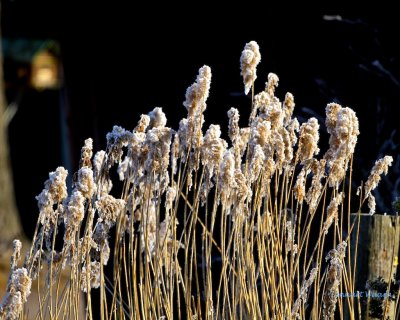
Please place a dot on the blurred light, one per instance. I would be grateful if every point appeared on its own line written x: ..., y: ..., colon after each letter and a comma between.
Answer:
x: 45, y: 71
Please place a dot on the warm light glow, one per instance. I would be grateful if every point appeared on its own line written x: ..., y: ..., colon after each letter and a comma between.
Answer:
x: 45, y: 73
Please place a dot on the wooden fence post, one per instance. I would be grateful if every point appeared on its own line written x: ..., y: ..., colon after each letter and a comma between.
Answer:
x: 378, y: 251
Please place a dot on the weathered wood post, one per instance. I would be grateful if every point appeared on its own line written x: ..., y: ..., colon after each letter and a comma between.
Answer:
x: 377, y: 258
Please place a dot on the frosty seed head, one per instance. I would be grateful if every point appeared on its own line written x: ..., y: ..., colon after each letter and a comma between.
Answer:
x: 233, y: 128
x: 56, y: 185
x: 86, y: 153
x: 16, y: 255
x: 157, y: 118
x: 308, y: 140
x: 109, y: 208
x: 381, y: 167
x: 332, y: 212
x: 142, y: 124
x: 300, y: 186
x: 271, y: 84
x: 116, y: 140
x: 75, y: 210
x: 198, y: 92
x: 91, y: 272
x: 288, y: 107
x: 249, y: 60
x: 85, y: 183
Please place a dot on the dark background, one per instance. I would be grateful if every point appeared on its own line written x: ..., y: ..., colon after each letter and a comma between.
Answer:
x: 120, y: 62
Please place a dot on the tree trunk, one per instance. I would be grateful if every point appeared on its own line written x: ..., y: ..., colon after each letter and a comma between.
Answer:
x: 10, y: 225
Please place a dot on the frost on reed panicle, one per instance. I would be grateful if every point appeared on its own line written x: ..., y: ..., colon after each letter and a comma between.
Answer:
x: 249, y: 60
x: 381, y: 167
x: 18, y: 287
x: 333, y: 280
x: 203, y: 227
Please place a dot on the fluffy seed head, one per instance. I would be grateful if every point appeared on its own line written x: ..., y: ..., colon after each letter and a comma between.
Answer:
x: 56, y: 185
x: 86, y: 153
x: 198, y: 92
x: 142, y: 124
x: 93, y: 273
x: 75, y: 209
x: 288, y: 107
x: 85, y: 183
x: 249, y: 60
x: 332, y: 212
x: 157, y: 118
x: 233, y: 128
x: 16, y: 255
x: 109, y: 208
x: 308, y: 141
x: 271, y: 84
x: 381, y: 167
x: 300, y: 186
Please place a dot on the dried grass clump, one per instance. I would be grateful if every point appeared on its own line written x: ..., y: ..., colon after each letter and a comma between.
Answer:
x: 204, y: 228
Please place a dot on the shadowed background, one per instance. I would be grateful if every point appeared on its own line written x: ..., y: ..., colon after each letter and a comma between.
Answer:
x: 115, y: 67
